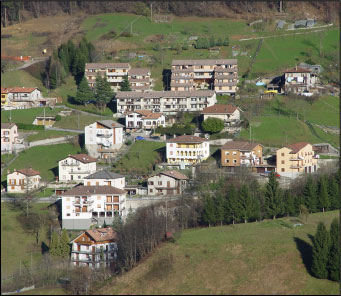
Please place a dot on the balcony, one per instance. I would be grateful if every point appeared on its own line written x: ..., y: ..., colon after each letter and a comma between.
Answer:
x: 104, y: 135
x: 79, y: 172
x: 296, y: 158
x: 298, y: 166
x: 69, y: 164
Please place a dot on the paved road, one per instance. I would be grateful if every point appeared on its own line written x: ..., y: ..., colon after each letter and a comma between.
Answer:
x: 29, y: 63
x: 5, y: 198
x: 15, y: 157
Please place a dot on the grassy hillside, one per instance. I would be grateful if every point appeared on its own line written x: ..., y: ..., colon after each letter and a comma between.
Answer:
x: 26, y: 116
x: 257, y: 258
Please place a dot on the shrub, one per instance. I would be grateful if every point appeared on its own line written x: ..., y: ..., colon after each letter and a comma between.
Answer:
x: 126, y: 34
x: 58, y: 118
x: 128, y: 142
x: 25, y: 126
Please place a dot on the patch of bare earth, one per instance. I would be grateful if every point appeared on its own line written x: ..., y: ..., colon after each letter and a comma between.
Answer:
x: 109, y: 46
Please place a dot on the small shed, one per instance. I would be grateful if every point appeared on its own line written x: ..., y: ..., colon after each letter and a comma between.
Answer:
x: 301, y: 23
x: 310, y: 23
x: 280, y: 25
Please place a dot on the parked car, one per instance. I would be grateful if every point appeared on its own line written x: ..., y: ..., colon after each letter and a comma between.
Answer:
x: 139, y: 138
x: 155, y: 137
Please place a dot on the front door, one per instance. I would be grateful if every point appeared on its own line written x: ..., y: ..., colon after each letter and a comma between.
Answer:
x: 168, y: 183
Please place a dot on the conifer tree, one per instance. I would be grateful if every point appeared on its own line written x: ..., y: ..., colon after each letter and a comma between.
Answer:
x: 209, y: 211
x: 320, y: 252
x: 323, y: 197
x: 78, y: 66
x: 273, y: 197
x: 104, y: 224
x: 84, y: 92
x: 231, y: 205
x: 333, y: 264
x: 84, y: 49
x: 71, y: 49
x: 117, y: 222
x: 334, y: 194
x: 219, y: 208
x: 247, y: 206
x: 219, y: 42
x: 64, y: 243
x: 212, y: 41
x: 125, y: 85
x: 103, y: 92
x: 289, y: 203
x: 309, y: 195
x: 226, y: 41
x: 55, y: 244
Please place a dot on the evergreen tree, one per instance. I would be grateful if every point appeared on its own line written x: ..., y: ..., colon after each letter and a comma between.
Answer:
x: 226, y: 41
x: 334, y: 194
x: 185, y: 46
x: 71, y: 51
x: 333, y: 264
x: 63, y: 55
x: 289, y: 204
x: 219, y: 208
x: 103, y: 92
x: 209, y: 211
x: 219, y: 42
x: 247, y: 206
x: 231, y: 205
x: 125, y: 85
x: 309, y: 195
x: 104, y: 224
x: 117, y: 222
x: 213, y: 125
x: 206, y: 43
x: 320, y: 252
x: 55, y: 244
x: 323, y: 197
x: 64, y: 244
x: 84, y: 92
x: 273, y: 197
x: 84, y: 49
x: 212, y: 41
x: 78, y: 66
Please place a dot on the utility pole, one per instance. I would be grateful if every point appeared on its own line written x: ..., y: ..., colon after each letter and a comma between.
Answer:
x: 151, y: 12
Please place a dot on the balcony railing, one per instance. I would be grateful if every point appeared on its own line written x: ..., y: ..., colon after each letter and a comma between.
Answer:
x: 104, y: 135
x: 69, y: 164
x: 79, y: 172
x: 296, y: 166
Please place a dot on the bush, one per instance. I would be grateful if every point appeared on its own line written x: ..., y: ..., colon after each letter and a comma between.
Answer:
x: 25, y: 126
x: 213, y: 125
x: 58, y: 118
x: 185, y: 46
x: 128, y: 142
x: 126, y: 34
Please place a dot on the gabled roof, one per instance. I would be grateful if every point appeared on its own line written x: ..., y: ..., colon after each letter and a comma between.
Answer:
x: 141, y: 112
x: 28, y: 172
x: 7, y: 125
x: 110, y: 123
x: 239, y: 145
x: 187, y: 139
x: 296, y: 147
x: 100, y: 234
x: 91, y: 190
x: 19, y: 89
x: 152, y: 116
x: 219, y: 109
x: 175, y: 174
x: 204, y: 62
x: 4, y: 90
x: 84, y: 158
x: 104, y: 174
x: 297, y: 70
x: 139, y: 71
x: 106, y: 66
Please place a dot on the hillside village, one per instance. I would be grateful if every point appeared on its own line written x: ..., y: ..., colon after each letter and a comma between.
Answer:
x: 164, y: 136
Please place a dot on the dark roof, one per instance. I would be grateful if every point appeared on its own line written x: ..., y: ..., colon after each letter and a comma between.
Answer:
x: 297, y: 70
x: 7, y: 125
x: 91, y: 190
x: 110, y: 123
x: 106, y: 66
x: 204, y: 62
x: 239, y: 145
x: 219, y: 109
x: 84, y: 158
x: 164, y: 94
x: 187, y: 139
x: 296, y: 147
x: 104, y: 174
x: 139, y: 71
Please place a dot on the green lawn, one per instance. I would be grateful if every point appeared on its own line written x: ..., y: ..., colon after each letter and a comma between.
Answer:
x: 5, y: 158
x: 140, y: 158
x: 47, y: 134
x: 77, y: 122
x: 255, y: 258
x: 43, y: 159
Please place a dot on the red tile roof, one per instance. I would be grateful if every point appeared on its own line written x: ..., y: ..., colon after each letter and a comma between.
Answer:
x: 175, y: 174
x: 152, y: 116
x: 28, y: 172
x: 91, y: 190
x: 219, y: 109
x: 239, y: 145
x: 4, y: 90
x: 84, y: 158
x: 297, y: 147
x: 102, y: 234
x: 187, y: 139
x: 297, y: 70
x: 19, y: 89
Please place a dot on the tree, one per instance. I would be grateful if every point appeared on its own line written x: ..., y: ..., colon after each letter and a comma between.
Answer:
x: 323, y: 197
x: 226, y: 41
x: 64, y: 244
x: 273, y: 197
x: 213, y: 125
x: 333, y: 264
x: 247, y: 204
x: 320, y: 252
x: 309, y: 195
x: 125, y: 85
x: 185, y: 46
x: 209, y: 211
x: 157, y: 47
x: 289, y: 203
x: 219, y: 42
x: 55, y: 244
x: 103, y: 92
x: 212, y: 41
x: 334, y: 194
x: 84, y: 92
x: 231, y: 205
x: 78, y: 66
x: 219, y: 208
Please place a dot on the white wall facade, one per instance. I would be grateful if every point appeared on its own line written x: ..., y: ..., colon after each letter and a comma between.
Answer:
x: 20, y: 183
x: 187, y: 153
x: 70, y: 169
x: 8, y: 138
x: 118, y: 182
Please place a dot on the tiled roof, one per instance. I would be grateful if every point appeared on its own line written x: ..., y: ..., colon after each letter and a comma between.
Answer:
x: 297, y: 70
x: 91, y: 190
x: 153, y: 116
x: 84, y: 158
x: 239, y: 145
x: 139, y: 71
x: 102, y: 234
x: 175, y: 174
x: 204, y: 62
x: 187, y: 139
x: 29, y: 172
x: 19, y: 89
x: 4, y: 90
x: 110, y: 123
x: 219, y: 109
x: 296, y: 147
x: 7, y: 125
x: 164, y: 94
x: 104, y: 174
x: 106, y: 66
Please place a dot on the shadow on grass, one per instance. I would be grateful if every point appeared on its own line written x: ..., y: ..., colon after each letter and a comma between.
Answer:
x: 306, y: 251
x: 162, y: 152
x: 55, y: 171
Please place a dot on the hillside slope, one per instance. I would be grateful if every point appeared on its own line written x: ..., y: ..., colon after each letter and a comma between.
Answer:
x: 257, y: 258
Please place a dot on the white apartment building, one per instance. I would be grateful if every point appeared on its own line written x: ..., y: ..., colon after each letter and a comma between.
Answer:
x: 166, y: 102
x: 103, y: 138
x: 9, y: 136
x: 22, y: 181
x: 139, y: 79
x: 76, y: 167
x: 187, y: 149
x: 144, y: 119
x: 83, y: 206
x: 105, y: 178
x: 167, y: 183
x: 95, y: 248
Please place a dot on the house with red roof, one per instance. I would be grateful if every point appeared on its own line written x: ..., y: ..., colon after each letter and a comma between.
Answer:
x: 22, y: 97
x: 23, y: 180
x: 295, y: 159
x: 299, y: 80
x: 145, y: 119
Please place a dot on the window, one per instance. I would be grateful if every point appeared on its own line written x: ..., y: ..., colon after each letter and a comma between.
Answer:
x: 227, y: 161
x: 282, y: 154
x: 150, y: 190
x: 227, y: 153
x: 282, y: 162
x: 234, y: 153
x: 151, y: 183
x: 98, y: 198
x: 159, y: 183
x: 282, y: 169
x: 235, y: 161
x: 98, y: 205
x: 68, y: 199
x: 68, y: 207
x: 68, y: 215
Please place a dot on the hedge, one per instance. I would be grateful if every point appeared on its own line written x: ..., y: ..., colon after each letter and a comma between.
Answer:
x: 25, y: 126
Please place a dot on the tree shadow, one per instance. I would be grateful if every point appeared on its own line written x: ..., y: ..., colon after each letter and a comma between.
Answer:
x: 55, y: 171
x: 306, y: 251
x: 166, y: 78
x: 44, y: 248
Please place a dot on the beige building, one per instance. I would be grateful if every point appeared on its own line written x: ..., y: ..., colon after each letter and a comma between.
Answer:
x: 187, y: 149
x: 24, y: 180
x: 145, y: 119
x: 167, y: 183
x: 139, y: 79
x: 296, y: 159
x: 105, y: 178
x: 300, y: 80
x: 220, y: 75
x: 9, y: 137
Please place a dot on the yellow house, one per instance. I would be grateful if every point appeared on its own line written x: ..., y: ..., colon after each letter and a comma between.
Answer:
x: 295, y: 159
x: 4, y: 97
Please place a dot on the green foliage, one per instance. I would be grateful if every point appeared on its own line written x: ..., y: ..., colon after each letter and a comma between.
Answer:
x: 202, y: 43
x: 333, y: 264
x: 231, y: 205
x: 103, y: 92
x: 226, y: 41
x: 323, y: 197
x: 219, y: 42
x: 213, y: 125
x: 209, y: 215
x: 320, y: 252
x: 273, y: 197
x: 334, y: 191
x: 125, y: 85
x: 247, y: 204
x: 84, y: 92
x: 128, y: 142
x: 58, y: 117
x: 55, y: 249
x: 219, y: 208
x: 212, y: 41
x: 309, y: 195
x: 175, y: 130
x: 289, y: 204
x: 157, y: 47
x: 64, y: 244
x: 25, y: 126
x: 185, y: 46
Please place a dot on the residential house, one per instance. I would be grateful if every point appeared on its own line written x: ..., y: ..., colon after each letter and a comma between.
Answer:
x: 295, y: 159
x: 9, y: 136
x: 315, y: 69
x: 144, y: 119
x: 227, y: 113
x: 103, y: 138
x: 167, y: 183
x: 4, y: 96
x: 76, y: 167
x: 220, y: 75
x: 22, y: 181
x: 166, y: 102
x: 300, y: 80
x: 83, y: 206
x: 187, y: 149
x: 105, y: 178
x: 23, y: 97
x: 153, y: 120
x: 139, y: 79
x: 94, y: 248
x: 242, y: 154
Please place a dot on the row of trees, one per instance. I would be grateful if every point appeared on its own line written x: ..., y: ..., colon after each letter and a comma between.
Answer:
x: 204, y: 43
x: 325, y: 256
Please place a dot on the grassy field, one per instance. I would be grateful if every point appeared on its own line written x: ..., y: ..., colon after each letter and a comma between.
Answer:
x: 257, y: 258
x: 19, y: 244
x: 43, y: 159
x: 48, y: 134
x: 77, y: 122
x: 45, y: 291
x: 27, y: 116
x: 5, y: 158
x: 140, y: 158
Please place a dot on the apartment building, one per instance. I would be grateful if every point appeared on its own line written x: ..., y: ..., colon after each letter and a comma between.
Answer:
x: 167, y: 183
x: 220, y: 75
x: 145, y: 119
x: 187, y: 149
x: 296, y: 159
x: 83, y: 206
x: 166, y: 102
x: 114, y: 72
x: 9, y: 136
x: 103, y: 138
x: 105, y: 178
x: 22, y: 181
x: 299, y: 80
x: 94, y: 248
x: 139, y: 79
x: 76, y: 167
x: 241, y: 154
x: 227, y: 113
